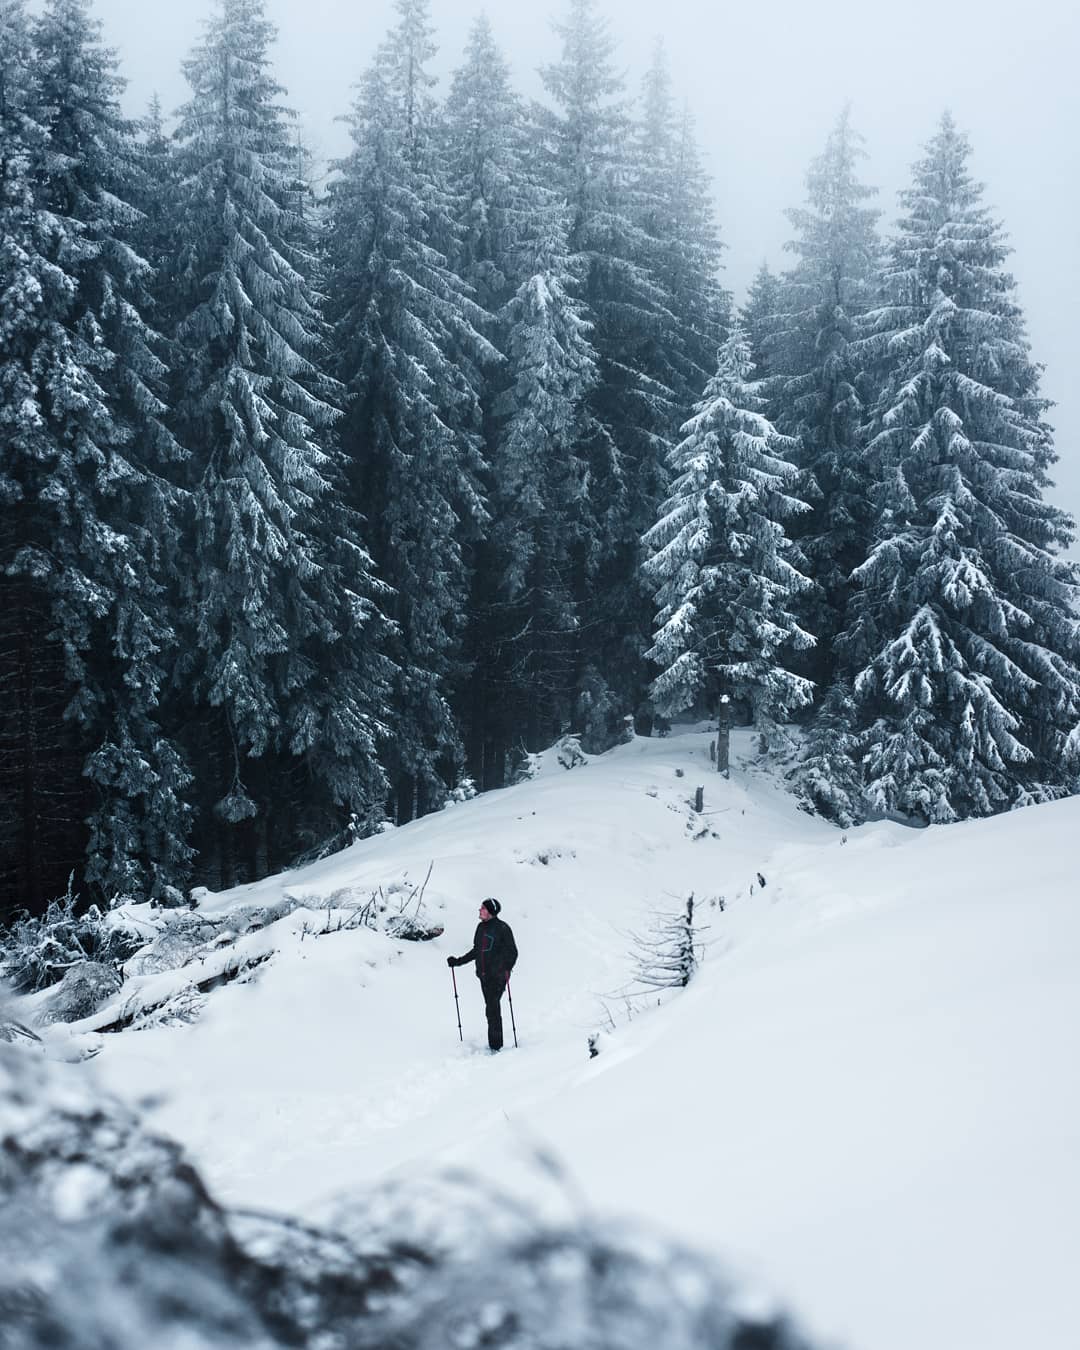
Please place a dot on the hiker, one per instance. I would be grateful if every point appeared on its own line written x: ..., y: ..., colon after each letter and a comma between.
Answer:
x: 494, y: 951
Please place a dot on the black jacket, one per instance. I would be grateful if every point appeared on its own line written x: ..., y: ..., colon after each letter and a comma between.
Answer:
x: 494, y: 950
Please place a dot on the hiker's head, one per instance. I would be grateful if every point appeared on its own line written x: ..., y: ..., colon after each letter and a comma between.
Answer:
x: 489, y: 908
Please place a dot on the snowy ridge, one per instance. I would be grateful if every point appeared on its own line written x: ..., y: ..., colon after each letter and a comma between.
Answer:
x: 865, y: 1098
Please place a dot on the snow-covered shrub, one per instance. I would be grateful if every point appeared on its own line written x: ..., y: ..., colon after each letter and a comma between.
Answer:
x: 183, y: 937
x: 407, y: 928
x: 250, y: 918
x: 524, y: 766
x: 14, y: 1033
x: 38, y: 949
x: 545, y: 856
x: 569, y: 753
x: 84, y: 989
x: 602, y: 721
x: 465, y: 791
x: 540, y: 1286
x: 666, y: 957
x: 179, y: 1009
x: 187, y: 935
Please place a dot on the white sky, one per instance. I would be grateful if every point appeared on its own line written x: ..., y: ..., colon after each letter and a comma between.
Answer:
x: 765, y: 81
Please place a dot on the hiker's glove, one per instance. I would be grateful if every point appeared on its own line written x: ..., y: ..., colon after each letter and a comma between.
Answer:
x: 451, y: 961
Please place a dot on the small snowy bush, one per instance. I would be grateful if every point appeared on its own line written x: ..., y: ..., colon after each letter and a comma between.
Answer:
x: 465, y: 791
x: 14, y: 1033
x: 84, y: 989
x: 524, y: 766
x: 569, y: 753
x: 37, y: 950
x: 173, y: 948
x: 603, y: 724
x: 666, y: 957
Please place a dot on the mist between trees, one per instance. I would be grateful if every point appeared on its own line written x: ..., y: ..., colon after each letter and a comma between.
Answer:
x: 320, y: 503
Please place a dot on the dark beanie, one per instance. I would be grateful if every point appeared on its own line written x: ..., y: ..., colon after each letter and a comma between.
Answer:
x: 492, y: 906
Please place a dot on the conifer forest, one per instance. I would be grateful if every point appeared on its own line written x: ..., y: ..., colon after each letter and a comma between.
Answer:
x: 328, y: 498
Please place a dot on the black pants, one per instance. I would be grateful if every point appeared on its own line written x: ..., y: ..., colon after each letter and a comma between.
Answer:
x: 493, y: 987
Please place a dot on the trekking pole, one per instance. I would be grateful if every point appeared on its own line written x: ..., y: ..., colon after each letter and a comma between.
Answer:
x: 457, y: 1005
x: 510, y: 997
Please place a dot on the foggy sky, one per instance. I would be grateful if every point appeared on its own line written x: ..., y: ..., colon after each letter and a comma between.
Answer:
x: 765, y: 81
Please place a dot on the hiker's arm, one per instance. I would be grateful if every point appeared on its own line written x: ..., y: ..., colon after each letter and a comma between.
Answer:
x: 470, y: 955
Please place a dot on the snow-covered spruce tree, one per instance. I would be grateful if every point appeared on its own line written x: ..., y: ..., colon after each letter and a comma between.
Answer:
x: 281, y: 674
x: 818, y: 390
x: 968, y: 689
x: 157, y: 195
x: 541, y: 487
x: 588, y: 156
x: 759, y: 316
x: 410, y: 351
x: 493, y: 196
x: 720, y: 562
x: 34, y: 296
x: 673, y: 206
x: 89, y: 515
x: 826, y: 779
x: 512, y: 251
x: 493, y: 199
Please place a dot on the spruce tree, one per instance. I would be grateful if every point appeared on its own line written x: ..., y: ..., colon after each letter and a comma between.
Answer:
x: 35, y: 742
x: 91, y: 514
x: 513, y: 253
x: 157, y: 196
x: 410, y: 353
x: 493, y: 199
x: 587, y: 139
x: 760, y: 318
x: 545, y: 514
x: 673, y: 206
x: 137, y: 846
x: 720, y: 559
x: 826, y: 779
x: 969, y: 690
x: 491, y: 192
x: 281, y: 671
x: 819, y: 389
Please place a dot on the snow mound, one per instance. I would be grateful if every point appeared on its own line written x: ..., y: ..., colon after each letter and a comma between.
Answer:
x: 111, y: 1238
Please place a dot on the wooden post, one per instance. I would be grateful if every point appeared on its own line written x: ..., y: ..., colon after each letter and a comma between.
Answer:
x: 723, y: 737
x: 699, y: 799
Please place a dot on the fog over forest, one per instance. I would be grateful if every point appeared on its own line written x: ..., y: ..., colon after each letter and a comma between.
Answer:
x: 765, y: 83
x: 391, y: 396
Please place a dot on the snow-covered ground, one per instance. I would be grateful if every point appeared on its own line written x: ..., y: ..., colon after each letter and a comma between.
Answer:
x: 868, y: 1099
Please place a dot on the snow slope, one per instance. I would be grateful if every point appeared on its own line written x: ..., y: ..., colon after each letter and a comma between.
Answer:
x: 868, y: 1098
